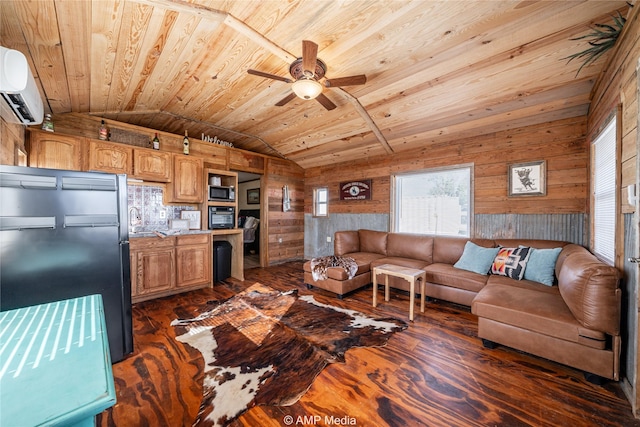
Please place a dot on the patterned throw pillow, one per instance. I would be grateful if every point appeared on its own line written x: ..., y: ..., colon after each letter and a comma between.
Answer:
x: 511, y: 262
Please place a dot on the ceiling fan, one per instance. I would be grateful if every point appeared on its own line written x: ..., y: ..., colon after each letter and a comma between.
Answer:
x: 307, y: 73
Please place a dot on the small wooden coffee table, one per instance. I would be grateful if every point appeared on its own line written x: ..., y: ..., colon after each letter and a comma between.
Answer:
x: 406, y: 273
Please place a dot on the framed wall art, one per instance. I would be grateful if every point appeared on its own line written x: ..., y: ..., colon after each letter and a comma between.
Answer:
x: 253, y: 196
x: 528, y: 179
x: 355, y: 190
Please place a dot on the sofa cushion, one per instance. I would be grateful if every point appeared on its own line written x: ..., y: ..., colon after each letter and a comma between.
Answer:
x: 346, y: 242
x: 373, y: 241
x: 476, y: 258
x: 403, y: 262
x: 541, y: 265
x: 448, y: 275
x: 364, y: 259
x: 414, y: 246
x: 511, y: 262
x: 535, y: 307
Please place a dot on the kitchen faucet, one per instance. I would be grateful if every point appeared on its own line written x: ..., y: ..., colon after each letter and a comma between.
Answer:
x: 134, y: 218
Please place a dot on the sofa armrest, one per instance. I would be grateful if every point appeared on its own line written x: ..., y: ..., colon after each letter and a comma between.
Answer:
x: 590, y: 289
x: 345, y: 242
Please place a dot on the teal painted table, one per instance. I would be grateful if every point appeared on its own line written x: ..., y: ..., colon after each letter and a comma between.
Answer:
x: 55, y: 368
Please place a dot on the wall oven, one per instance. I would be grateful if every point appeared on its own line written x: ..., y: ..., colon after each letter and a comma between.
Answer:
x: 221, y: 217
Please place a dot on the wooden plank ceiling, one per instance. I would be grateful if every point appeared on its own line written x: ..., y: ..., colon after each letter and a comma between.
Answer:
x: 437, y: 71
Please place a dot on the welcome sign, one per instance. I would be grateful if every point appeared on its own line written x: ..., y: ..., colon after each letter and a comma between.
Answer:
x: 355, y: 190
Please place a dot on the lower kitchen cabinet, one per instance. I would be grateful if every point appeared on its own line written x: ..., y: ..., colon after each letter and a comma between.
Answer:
x: 193, y: 260
x: 166, y: 266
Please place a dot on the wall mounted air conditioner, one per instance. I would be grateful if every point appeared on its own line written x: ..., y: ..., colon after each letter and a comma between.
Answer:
x: 21, y: 102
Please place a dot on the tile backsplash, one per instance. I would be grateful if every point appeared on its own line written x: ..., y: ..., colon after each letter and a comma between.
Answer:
x: 148, y: 200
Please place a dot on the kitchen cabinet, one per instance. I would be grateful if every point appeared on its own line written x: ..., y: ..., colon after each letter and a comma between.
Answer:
x: 193, y: 260
x: 151, y: 165
x: 109, y: 157
x: 152, y: 266
x: 186, y: 185
x: 54, y: 151
x: 166, y: 266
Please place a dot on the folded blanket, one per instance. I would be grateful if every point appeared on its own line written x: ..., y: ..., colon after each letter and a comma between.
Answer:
x: 320, y: 265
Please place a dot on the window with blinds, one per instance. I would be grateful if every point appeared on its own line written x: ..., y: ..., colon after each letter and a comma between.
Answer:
x: 604, y: 193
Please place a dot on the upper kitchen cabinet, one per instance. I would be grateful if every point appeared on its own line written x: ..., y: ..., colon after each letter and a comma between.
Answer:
x: 109, y: 157
x: 54, y: 151
x: 186, y: 185
x: 151, y: 165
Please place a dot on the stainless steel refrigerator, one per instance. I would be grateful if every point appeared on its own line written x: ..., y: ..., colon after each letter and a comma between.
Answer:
x: 64, y: 234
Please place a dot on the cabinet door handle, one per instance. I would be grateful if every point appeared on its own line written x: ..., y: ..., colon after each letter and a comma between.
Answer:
x: 634, y: 260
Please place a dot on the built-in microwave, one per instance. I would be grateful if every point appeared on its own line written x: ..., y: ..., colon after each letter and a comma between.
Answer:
x: 221, y: 217
x: 222, y: 194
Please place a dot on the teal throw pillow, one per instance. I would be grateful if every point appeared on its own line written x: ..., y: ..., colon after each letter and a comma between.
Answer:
x: 542, y: 265
x: 476, y: 258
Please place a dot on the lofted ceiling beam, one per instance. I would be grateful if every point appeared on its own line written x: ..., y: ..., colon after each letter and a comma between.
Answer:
x: 242, y: 28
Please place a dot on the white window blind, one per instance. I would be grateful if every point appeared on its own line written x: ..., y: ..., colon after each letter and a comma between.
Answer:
x: 604, y: 193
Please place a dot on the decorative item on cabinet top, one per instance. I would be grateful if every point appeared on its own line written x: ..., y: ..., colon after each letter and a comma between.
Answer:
x: 193, y: 217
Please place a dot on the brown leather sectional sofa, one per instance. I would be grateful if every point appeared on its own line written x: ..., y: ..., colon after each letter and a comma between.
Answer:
x: 575, y: 322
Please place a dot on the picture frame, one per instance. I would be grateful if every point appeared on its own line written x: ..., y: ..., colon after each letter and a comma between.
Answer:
x: 528, y: 179
x: 253, y: 196
x: 193, y: 217
x: 355, y: 190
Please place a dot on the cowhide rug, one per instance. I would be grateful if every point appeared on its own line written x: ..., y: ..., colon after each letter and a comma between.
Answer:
x: 264, y: 347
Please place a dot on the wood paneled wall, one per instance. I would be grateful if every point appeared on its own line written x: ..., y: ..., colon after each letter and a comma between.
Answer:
x: 561, y: 143
x: 11, y: 142
x: 617, y: 89
x: 285, y: 230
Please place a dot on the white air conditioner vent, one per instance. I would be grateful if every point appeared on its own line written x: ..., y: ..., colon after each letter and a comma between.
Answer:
x: 21, y: 102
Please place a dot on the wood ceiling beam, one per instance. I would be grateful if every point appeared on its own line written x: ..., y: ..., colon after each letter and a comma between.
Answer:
x: 368, y: 120
x: 244, y: 29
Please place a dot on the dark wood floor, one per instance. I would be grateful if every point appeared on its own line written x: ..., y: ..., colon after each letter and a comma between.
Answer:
x: 251, y: 261
x: 435, y: 373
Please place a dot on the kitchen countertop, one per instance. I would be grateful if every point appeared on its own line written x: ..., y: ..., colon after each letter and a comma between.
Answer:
x: 166, y: 232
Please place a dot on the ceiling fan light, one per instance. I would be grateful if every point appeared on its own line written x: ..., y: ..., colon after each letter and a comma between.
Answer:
x: 306, y: 88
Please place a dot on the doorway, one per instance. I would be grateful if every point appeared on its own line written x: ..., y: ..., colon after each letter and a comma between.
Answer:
x: 249, y: 196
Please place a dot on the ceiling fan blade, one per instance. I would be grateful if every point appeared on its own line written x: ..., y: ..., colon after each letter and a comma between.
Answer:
x: 309, y: 56
x: 346, y: 81
x: 326, y: 102
x: 285, y: 99
x: 269, y: 76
